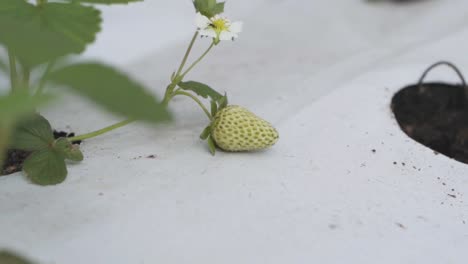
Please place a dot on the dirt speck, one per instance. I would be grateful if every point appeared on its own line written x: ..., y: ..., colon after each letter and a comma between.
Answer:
x: 400, y: 225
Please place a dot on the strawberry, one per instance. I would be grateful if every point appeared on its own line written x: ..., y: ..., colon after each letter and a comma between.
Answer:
x: 235, y: 128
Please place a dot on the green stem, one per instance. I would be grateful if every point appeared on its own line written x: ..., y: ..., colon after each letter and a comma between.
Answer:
x: 187, y: 53
x: 169, y: 94
x: 43, y: 80
x: 26, y: 76
x: 4, y: 136
x: 101, y: 131
x: 13, y: 72
x: 197, y: 101
x: 177, y: 77
x: 198, y: 60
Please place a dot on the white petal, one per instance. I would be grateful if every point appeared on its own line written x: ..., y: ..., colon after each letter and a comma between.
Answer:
x: 236, y: 27
x: 202, y: 21
x: 208, y: 32
x: 216, y: 17
x: 226, y: 35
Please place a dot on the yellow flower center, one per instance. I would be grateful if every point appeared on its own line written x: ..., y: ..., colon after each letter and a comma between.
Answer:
x: 220, y: 25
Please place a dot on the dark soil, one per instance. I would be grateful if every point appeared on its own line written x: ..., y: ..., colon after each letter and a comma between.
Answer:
x: 435, y: 115
x: 15, y: 158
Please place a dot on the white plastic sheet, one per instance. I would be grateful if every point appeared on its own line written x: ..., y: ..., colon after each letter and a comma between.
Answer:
x: 323, y: 72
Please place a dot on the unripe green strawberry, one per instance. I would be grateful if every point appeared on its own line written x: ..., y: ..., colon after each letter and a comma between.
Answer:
x: 237, y: 129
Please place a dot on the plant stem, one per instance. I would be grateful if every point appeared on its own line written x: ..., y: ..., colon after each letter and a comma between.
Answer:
x: 4, y: 136
x: 101, y: 131
x: 197, y: 101
x: 177, y: 77
x: 26, y: 76
x: 43, y: 80
x: 13, y: 72
x: 198, y: 60
x: 187, y: 53
x: 169, y: 94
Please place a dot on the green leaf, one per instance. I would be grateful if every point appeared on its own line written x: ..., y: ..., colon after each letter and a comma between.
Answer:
x: 218, y: 8
x: 201, y: 89
x: 206, y: 133
x: 105, y: 2
x: 111, y: 89
x: 211, y: 145
x: 200, y: 6
x: 223, y: 102
x: 68, y: 150
x: 36, y: 34
x: 214, y: 108
x: 18, y: 105
x: 11, y: 258
x: 210, y: 3
x: 45, y: 167
x: 33, y: 134
x: 13, y: 108
x: 208, y: 8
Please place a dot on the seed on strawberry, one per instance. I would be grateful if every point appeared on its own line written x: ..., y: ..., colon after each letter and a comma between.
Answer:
x: 237, y: 129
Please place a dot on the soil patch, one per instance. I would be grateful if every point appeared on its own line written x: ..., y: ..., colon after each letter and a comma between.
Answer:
x: 15, y: 158
x: 435, y: 115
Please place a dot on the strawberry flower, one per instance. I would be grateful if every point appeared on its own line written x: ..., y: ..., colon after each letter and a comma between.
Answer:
x: 217, y: 27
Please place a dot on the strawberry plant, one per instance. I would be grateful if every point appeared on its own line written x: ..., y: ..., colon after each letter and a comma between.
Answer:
x: 39, y: 39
